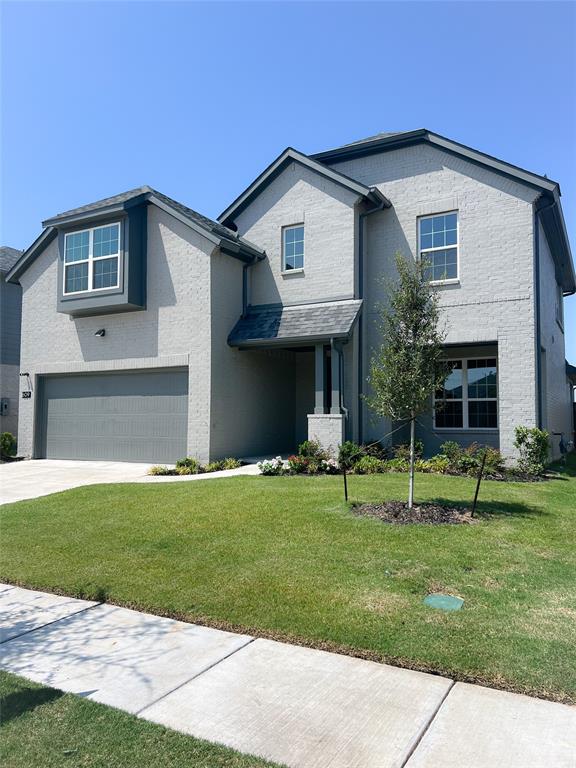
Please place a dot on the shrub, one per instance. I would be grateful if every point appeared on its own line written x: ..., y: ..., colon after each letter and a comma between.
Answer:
x: 451, y: 450
x: 402, y: 451
x: 301, y: 465
x: 495, y: 464
x: 330, y: 466
x: 160, y: 469
x: 369, y: 465
x: 311, y: 449
x: 397, y: 465
x: 349, y: 454
x: 377, y: 450
x: 532, y: 444
x: 188, y: 466
x: 438, y: 463
x: 271, y: 466
x: 213, y: 466
x: 7, y: 444
x: 231, y: 463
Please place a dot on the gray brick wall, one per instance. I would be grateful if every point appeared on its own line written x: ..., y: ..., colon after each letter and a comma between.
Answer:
x: 327, y: 210
x: 495, y: 299
x: 173, y: 330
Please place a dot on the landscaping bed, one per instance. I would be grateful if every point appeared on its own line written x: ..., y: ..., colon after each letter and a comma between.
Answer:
x: 397, y: 513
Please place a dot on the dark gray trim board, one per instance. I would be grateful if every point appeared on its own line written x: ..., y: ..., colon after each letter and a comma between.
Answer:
x: 275, y: 168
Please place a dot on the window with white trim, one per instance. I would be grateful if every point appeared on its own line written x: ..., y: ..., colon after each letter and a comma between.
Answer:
x: 293, y: 248
x: 92, y: 259
x: 438, y: 246
x: 469, y: 397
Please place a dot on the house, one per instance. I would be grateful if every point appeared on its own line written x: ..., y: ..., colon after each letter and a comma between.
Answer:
x: 150, y: 331
x: 10, y: 308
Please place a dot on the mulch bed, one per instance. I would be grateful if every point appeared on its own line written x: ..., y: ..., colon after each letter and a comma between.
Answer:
x: 397, y: 513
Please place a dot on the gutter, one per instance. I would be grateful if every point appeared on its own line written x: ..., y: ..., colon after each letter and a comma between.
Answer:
x: 384, y: 203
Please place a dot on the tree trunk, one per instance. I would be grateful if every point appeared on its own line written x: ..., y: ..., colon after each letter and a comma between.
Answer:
x: 412, y: 449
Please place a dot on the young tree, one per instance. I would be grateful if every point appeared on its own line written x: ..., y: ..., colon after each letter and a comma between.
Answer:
x: 407, y: 367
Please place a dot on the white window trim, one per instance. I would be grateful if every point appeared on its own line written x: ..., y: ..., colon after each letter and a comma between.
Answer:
x: 450, y: 280
x: 283, y: 270
x: 465, y: 399
x: 91, y: 259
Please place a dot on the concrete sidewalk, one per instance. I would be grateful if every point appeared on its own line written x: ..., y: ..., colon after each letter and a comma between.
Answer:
x: 21, y: 480
x: 297, y: 706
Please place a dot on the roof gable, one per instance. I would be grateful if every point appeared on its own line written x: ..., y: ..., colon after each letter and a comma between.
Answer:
x: 285, y: 159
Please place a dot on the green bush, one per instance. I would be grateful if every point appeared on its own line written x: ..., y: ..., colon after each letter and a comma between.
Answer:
x: 438, y: 463
x: 188, y: 466
x: 231, y: 463
x: 349, y: 454
x: 311, y: 449
x: 402, y: 451
x: 302, y: 465
x: 451, y: 450
x: 397, y: 465
x: 213, y: 466
x: 160, y: 469
x: 533, y: 445
x: 369, y: 465
x: 7, y: 444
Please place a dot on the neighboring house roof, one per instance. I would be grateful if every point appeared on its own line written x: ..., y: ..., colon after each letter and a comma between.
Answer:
x: 287, y: 157
x: 8, y: 257
x: 271, y: 325
x: 571, y: 372
x: 552, y: 221
x: 228, y: 240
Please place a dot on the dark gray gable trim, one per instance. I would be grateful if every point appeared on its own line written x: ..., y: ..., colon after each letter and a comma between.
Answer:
x: 44, y: 239
x: 554, y: 226
x: 93, y: 214
x: 287, y: 157
x: 422, y: 135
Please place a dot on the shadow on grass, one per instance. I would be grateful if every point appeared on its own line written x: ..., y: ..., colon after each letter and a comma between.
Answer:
x: 15, y: 704
x: 488, y: 509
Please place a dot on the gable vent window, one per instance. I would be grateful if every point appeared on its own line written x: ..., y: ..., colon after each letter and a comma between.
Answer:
x: 438, y: 247
x: 293, y: 248
x: 91, y: 259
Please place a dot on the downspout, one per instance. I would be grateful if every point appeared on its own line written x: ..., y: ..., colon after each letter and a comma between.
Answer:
x: 537, y: 212
x: 245, y: 287
x: 380, y: 207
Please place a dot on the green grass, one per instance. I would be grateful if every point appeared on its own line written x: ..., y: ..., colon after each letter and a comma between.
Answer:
x: 284, y: 557
x: 45, y: 727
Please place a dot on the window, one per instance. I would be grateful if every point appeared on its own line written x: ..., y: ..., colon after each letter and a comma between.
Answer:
x: 91, y: 259
x: 469, y: 397
x: 560, y: 306
x: 438, y: 246
x: 293, y: 248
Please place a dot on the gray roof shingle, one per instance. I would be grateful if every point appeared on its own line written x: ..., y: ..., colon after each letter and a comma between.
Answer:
x: 264, y: 326
x: 8, y: 257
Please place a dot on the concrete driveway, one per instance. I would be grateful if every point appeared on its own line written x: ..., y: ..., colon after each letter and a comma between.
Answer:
x: 39, y: 477
x: 29, y: 479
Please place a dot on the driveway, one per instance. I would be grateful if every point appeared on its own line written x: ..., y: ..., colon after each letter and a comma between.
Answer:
x: 29, y: 479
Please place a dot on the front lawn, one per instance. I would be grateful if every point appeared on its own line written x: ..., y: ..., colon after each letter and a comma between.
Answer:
x: 45, y: 727
x: 285, y: 557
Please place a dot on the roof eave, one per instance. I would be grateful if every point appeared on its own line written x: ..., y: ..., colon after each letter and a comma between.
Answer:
x: 292, y: 341
x: 289, y: 155
x: 43, y: 239
x: 96, y: 213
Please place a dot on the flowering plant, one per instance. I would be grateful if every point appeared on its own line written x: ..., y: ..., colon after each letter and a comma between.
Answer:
x: 330, y: 466
x: 299, y: 464
x: 271, y: 466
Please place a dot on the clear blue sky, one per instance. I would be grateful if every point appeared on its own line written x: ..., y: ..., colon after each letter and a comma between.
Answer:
x: 196, y: 99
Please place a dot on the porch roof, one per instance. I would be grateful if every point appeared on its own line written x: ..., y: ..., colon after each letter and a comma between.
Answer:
x: 272, y: 325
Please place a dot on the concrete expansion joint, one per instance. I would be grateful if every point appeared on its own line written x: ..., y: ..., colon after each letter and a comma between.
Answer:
x: 194, y: 677
x: 427, y: 725
x: 49, y: 623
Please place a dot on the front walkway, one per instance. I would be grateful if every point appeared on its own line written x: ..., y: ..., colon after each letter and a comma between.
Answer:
x: 29, y: 479
x: 298, y: 706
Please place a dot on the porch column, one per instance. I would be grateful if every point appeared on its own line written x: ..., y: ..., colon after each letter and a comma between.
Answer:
x: 319, y: 378
x: 336, y: 384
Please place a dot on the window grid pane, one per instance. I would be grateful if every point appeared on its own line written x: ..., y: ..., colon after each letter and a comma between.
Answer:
x: 294, y: 248
x: 469, y: 396
x: 105, y: 273
x: 77, y: 246
x: 439, y: 232
x: 106, y: 241
x: 76, y: 278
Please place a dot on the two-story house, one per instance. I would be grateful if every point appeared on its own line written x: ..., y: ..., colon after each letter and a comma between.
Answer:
x: 150, y: 332
x: 10, y: 307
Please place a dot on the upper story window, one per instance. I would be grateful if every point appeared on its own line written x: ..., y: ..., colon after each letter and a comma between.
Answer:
x: 293, y: 248
x: 438, y: 246
x: 91, y: 259
x: 469, y: 397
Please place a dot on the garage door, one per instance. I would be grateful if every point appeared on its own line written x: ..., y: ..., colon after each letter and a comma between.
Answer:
x: 136, y: 416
